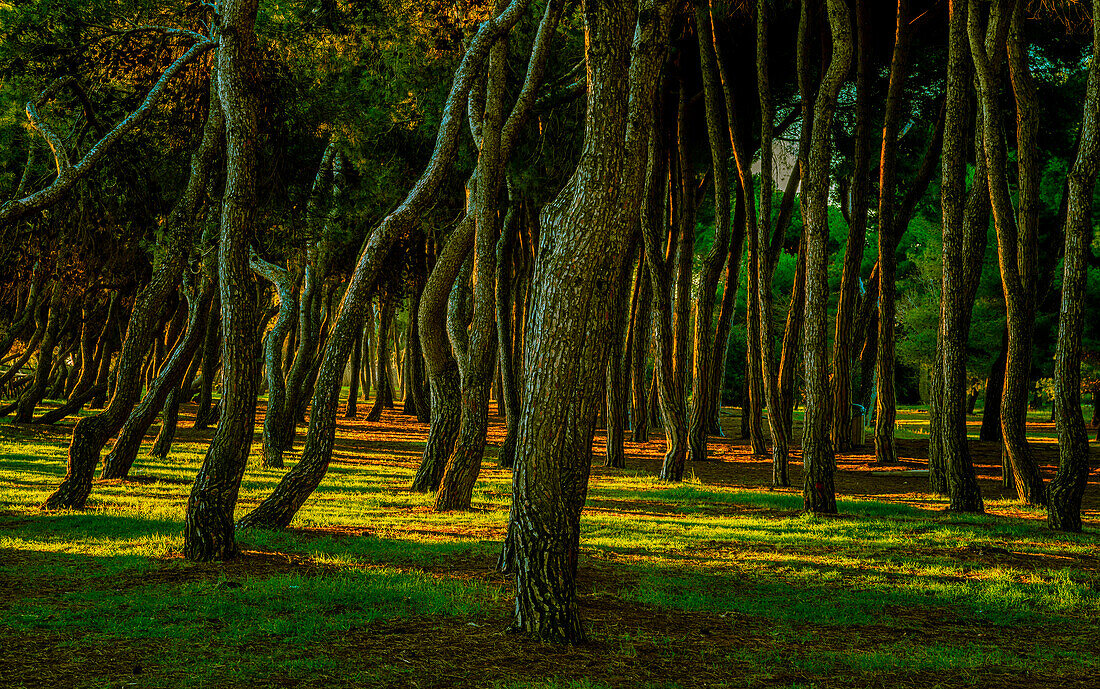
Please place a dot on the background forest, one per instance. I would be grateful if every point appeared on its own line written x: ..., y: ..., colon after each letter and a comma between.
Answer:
x: 549, y: 231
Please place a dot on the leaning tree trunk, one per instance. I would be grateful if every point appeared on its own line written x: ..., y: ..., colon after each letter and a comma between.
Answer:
x: 91, y: 433
x: 585, y: 231
x: 280, y: 507
x: 1066, y: 489
x: 121, y: 457
x: 817, y: 457
x: 211, y: 358
x: 209, y: 531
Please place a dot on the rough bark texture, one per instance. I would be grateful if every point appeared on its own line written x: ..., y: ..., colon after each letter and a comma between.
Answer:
x: 584, y: 232
x: 382, y: 390
x: 951, y: 470
x: 1016, y: 227
x: 817, y: 457
x: 209, y: 532
x: 1065, y: 490
x: 279, y: 508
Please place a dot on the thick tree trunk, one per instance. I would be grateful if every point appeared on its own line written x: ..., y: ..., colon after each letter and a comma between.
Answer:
x: 817, y: 457
x: 1066, y: 489
x: 584, y: 233
x: 209, y: 531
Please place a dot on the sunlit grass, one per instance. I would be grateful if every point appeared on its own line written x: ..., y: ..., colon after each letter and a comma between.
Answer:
x: 833, y: 597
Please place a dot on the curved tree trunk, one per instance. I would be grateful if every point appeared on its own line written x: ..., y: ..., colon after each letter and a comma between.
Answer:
x: 584, y: 233
x: 209, y: 532
x: 273, y: 360
x: 382, y: 389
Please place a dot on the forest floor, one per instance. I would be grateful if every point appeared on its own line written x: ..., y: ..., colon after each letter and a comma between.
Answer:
x: 718, y: 582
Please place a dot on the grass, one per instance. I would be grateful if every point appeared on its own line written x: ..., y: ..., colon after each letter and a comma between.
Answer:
x: 715, y: 582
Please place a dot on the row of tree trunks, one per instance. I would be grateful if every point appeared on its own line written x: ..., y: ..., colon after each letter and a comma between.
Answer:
x: 121, y: 457
x: 91, y: 433
x: 296, y: 486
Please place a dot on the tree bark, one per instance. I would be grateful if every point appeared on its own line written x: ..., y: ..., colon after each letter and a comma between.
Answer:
x: 209, y: 531
x: 817, y: 457
x: 584, y: 232
x: 1066, y: 489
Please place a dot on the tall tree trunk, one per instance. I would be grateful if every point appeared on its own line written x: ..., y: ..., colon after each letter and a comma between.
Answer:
x: 584, y: 233
x: 1068, y: 486
x: 209, y: 531
x: 505, y: 306
x: 1016, y: 228
x: 211, y: 360
x: 703, y: 360
x: 34, y: 393
x: 951, y: 469
x: 817, y: 457
x: 615, y: 399
x: 840, y: 431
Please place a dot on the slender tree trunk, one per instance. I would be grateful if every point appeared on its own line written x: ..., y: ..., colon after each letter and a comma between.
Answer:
x: 643, y: 336
x: 211, y: 359
x: 505, y: 305
x: 703, y: 362
x: 1066, y: 489
x: 276, y: 415
x: 841, y: 381
x: 34, y: 393
x: 616, y: 407
x: 382, y: 390
x: 351, y: 408
x: 817, y: 457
